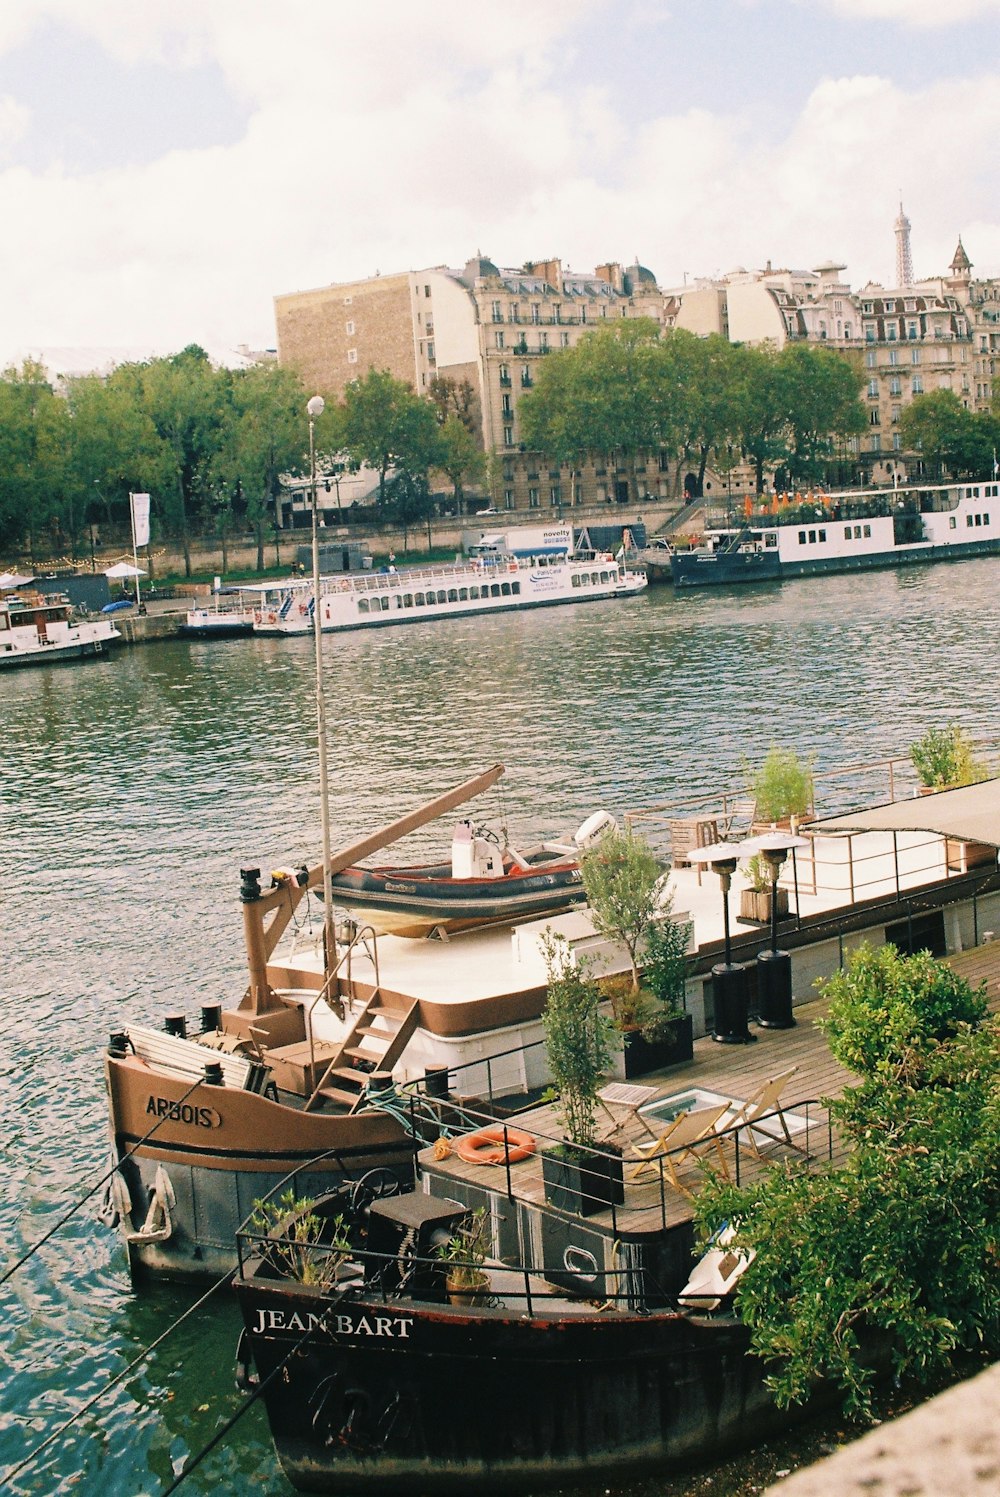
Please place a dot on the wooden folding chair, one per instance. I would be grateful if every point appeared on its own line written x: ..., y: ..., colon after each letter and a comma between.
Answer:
x: 762, y: 1114
x: 631, y: 1099
x: 686, y: 1133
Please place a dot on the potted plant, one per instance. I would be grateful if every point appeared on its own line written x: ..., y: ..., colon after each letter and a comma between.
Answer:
x: 622, y: 881
x: 782, y: 787
x: 944, y: 758
x: 577, y: 1176
x: 466, y: 1281
x: 755, y: 899
x: 666, y: 1032
x: 299, y: 1241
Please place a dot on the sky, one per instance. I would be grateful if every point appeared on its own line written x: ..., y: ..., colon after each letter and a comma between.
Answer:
x: 168, y: 166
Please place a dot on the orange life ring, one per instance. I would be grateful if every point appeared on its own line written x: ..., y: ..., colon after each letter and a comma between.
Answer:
x: 272, y: 618
x: 495, y: 1146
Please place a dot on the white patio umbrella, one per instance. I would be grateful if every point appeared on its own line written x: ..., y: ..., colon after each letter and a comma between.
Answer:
x: 123, y: 569
x: 13, y: 579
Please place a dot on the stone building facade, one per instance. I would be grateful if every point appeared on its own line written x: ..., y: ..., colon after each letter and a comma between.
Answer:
x: 483, y: 324
x: 493, y: 327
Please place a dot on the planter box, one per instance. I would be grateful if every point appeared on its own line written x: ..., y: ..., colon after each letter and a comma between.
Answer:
x: 639, y: 1056
x: 756, y: 905
x: 582, y: 1184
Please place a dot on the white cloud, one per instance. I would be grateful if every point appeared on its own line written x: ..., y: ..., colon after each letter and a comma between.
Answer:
x: 924, y: 13
x: 13, y: 123
x: 360, y: 155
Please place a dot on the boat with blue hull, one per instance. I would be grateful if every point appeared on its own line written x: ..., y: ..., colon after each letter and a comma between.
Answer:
x: 807, y: 536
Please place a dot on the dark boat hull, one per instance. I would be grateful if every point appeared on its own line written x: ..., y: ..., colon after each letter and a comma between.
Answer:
x: 393, y: 1397
x: 415, y: 901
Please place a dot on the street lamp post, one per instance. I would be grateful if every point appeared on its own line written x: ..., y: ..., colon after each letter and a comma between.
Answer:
x: 315, y: 408
x: 774, y: 967
x: 730, y: 989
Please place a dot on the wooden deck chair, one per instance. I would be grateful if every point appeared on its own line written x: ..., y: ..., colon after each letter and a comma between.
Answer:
x: 765, y: 1104
x: 686, y: 1133
x: 737, y: 819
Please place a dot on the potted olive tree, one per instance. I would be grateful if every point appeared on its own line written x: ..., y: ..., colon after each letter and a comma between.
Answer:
x: 623, y: 883
x: 577, y: 1175
x: 782, y: 788
x: 755, y: 899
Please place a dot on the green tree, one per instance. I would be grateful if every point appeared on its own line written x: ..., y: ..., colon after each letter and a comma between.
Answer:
x: 578, y: 1039
x: 621, y: 878
x: 761, y: 407
x: 386, y: 425
x: 263, y: 434
x: 184, y: 397
x: 703, y: 373
x: 33, y: 444
x: 461, y: 457
x: 898, y: 1248
x: 610, y: 396
x: 113, y: 447
x: 822, y: 392
x: 952, y: 439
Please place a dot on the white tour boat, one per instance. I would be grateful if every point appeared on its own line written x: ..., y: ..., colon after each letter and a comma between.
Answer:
x: 39, y: 629
x: 805, y: 535
x: 489, y: 583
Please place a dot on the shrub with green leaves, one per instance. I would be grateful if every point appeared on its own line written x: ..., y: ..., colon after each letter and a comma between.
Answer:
x: 578, y: 1039
x: 887, y: 1011
x: 891, y: 1260
x: 297, y: 1241
x: 944, y: 756
x: 782, y: 786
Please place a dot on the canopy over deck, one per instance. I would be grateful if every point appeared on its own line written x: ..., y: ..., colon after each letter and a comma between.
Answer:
x: 971, y: 813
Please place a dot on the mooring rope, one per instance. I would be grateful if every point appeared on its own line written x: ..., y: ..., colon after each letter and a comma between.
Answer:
x: 143, y: 1356
x: 9, y: 1272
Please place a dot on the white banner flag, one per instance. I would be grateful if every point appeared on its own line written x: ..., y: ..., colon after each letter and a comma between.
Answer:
x: 140, y: 519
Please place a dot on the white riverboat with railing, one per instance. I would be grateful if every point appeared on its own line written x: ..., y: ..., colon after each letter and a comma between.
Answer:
x: 804, y: 535
x: 491, y: 583
x: 42, y: 629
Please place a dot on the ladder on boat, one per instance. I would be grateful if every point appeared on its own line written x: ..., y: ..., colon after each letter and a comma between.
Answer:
x: 375, y: 1042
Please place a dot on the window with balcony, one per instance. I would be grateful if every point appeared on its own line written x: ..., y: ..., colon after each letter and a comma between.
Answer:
x: 917, y: 385
x: 536, y: 312
x: 895, y: 385
x: 508, y: 436
x: 505, y: 376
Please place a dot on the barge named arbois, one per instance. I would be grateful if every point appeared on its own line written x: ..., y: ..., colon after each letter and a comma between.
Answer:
x: 849, y: 531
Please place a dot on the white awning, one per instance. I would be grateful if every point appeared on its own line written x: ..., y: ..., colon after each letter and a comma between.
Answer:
x: 969, y: 814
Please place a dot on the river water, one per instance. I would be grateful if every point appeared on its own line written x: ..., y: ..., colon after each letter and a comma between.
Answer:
x: 132, y: 790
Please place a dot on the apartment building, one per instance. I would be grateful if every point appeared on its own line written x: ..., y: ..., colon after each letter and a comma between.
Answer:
x: 489, y: 326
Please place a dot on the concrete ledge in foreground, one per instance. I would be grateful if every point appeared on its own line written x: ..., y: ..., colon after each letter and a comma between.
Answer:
x: 948, y: 1447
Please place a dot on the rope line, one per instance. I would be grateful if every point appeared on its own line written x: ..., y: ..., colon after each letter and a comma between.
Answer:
x: 32, y: 1455
x: 9, y: 1272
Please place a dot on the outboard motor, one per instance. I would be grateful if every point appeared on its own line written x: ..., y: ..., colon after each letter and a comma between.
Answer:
x: 593, y: 829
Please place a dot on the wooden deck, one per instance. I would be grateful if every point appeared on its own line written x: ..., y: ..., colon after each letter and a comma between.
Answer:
x: 734, y: 1071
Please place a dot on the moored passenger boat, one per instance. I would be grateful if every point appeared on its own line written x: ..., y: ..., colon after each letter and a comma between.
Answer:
x: 40, y: 629
x: 205, y: 1122
x: 804, y: 536
x: 489, y: 583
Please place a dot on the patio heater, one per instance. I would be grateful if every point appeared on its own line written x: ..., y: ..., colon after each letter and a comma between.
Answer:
x: 730, y: 987
x: 774, y: 967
